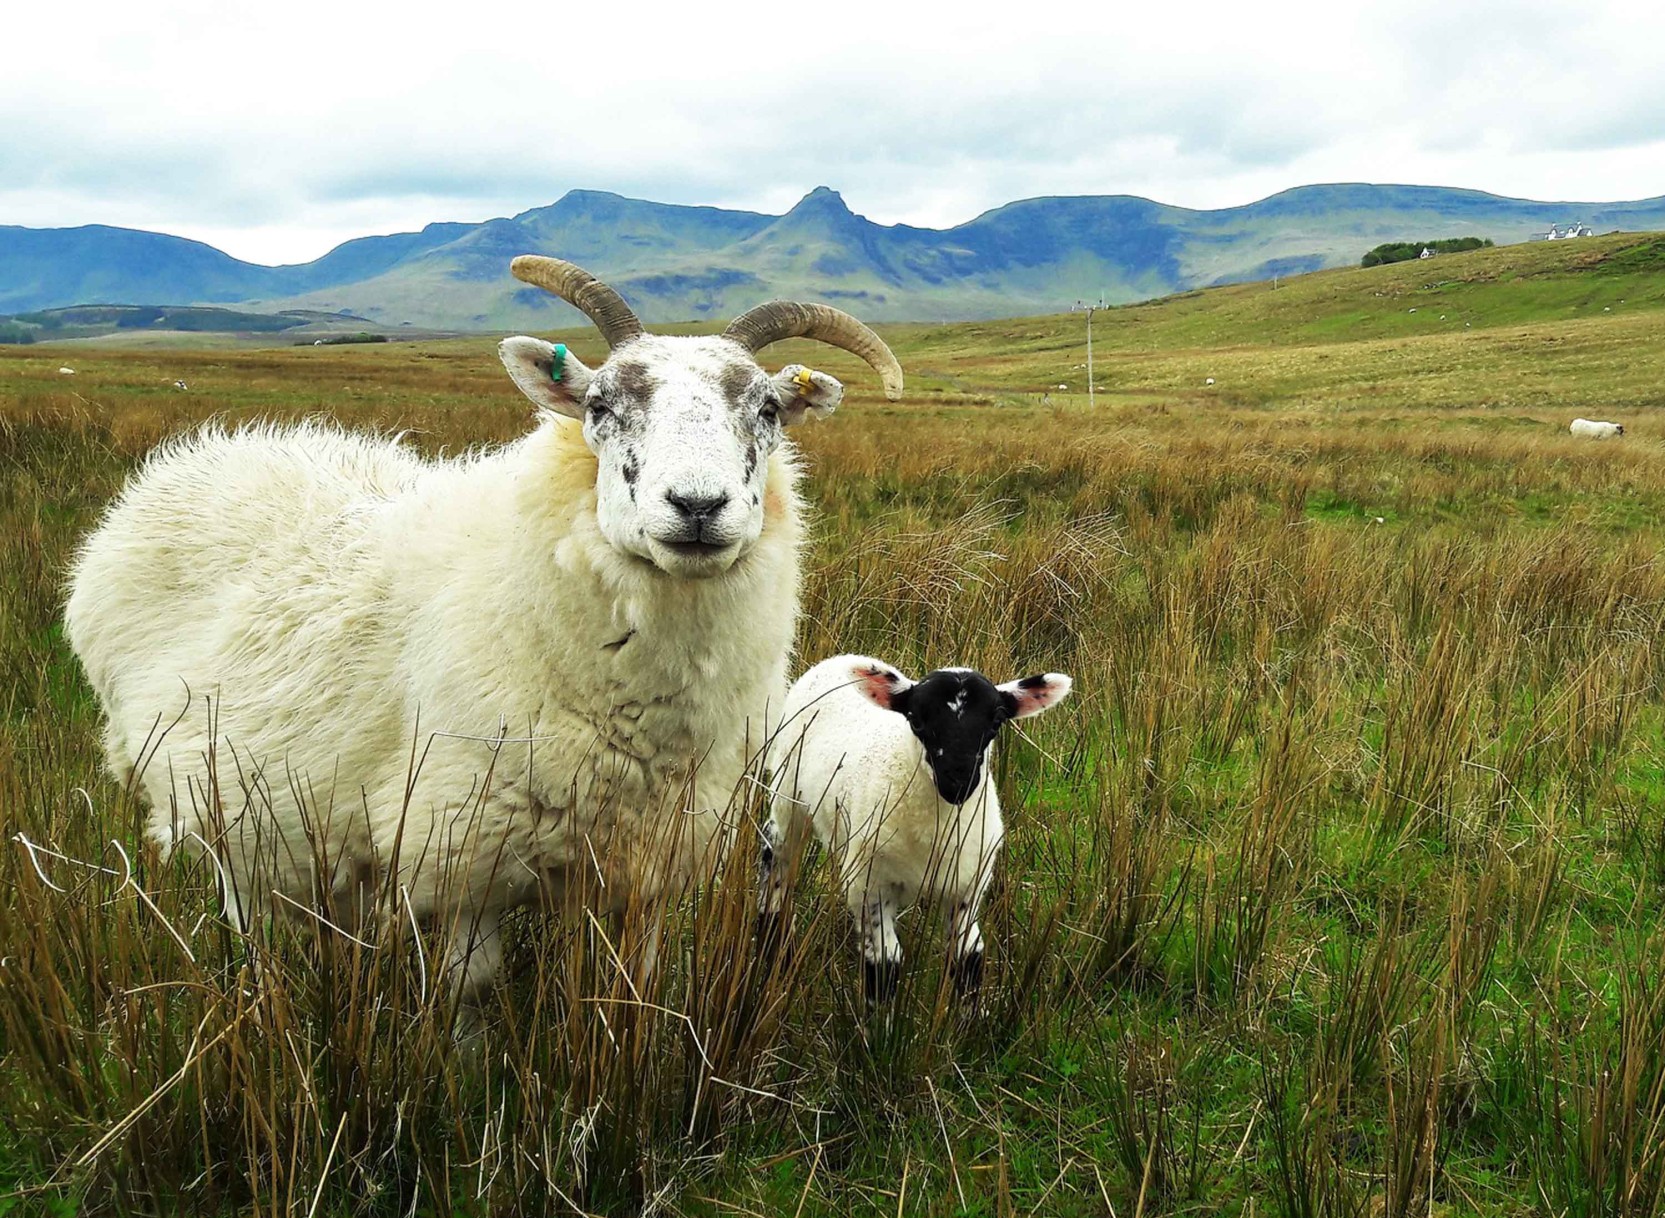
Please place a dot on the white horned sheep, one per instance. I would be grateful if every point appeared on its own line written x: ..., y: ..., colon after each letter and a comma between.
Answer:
x: 1595, y: 429
x: 892, y: 774
x: 444, y: 688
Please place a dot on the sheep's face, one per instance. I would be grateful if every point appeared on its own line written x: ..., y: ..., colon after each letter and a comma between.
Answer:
x: 682, y: 430
x: 955, y: 714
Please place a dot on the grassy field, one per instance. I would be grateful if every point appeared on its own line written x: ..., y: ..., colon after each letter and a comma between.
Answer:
x: 1338, y: 889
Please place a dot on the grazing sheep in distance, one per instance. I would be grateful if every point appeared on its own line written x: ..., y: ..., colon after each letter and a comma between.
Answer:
x: 180, y: 385
x: 443, y: 688
x: 1594, y: 429
x: 66, y: 372
x: 892, y: 774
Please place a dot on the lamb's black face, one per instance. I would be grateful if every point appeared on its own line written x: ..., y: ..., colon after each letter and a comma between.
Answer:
x: 955, y: 714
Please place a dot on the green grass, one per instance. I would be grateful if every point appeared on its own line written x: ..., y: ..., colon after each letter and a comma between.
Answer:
x: 1339, y: 887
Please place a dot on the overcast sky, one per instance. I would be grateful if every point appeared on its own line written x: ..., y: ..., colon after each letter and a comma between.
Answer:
x: 276, y: 133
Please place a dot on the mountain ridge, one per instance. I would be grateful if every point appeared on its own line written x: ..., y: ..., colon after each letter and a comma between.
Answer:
x: 682, y: 262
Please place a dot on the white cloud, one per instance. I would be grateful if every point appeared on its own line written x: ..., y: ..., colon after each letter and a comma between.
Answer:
x: 276, y: 133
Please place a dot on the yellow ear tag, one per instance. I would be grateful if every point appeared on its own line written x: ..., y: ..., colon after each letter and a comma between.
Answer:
x: 805, y: 379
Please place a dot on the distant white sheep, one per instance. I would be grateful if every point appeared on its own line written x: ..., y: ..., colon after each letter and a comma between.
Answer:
x: 1593, y: 429
x: 443, y: 688
x: 66, y: 372
x: 181, y: 386
x: 892, y: 775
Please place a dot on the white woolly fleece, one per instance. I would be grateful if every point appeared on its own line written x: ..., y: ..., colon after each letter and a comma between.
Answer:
x: 312, y: 610
x: 1595, y: 429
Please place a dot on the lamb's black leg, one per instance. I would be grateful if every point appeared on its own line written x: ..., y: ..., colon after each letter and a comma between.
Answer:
x: 774, y: 922
x: 881, y: 949
x: 965, y: 948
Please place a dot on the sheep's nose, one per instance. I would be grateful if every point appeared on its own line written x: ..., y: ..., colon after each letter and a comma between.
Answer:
x: 698, y: 508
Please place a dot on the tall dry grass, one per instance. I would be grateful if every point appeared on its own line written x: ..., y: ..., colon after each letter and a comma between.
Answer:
x: 1335, y: 890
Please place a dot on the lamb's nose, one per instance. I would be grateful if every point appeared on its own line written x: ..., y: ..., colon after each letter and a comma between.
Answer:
x: 697, y: 508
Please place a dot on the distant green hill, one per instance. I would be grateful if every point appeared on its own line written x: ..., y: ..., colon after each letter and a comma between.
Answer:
x: 1594, y: 279
x: 677, y: 263
x: 80, y: 320
x: 131, y: 321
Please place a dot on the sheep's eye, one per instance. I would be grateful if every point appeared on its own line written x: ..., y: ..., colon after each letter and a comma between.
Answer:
x: 771, y: 409
x: 597, y: 410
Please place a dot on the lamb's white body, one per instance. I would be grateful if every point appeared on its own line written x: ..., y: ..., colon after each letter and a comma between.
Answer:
x: 860, y: 776
x: 440, y: 670
x: 1595, y: 429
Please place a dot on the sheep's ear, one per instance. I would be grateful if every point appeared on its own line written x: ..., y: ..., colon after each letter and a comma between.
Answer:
x: 1032, y: 695
x: 806, y: 393
x: 882, y: 685
x: 532, y: 364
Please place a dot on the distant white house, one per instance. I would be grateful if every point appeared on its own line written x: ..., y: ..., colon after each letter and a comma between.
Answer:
x: 1561, y: 232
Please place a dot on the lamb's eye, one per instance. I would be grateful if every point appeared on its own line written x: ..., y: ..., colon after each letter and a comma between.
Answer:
x: 597, y: 410
x: 771, y: 409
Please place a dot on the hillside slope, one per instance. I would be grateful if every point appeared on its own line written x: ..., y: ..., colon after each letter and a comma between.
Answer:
x: 1027, y: 257
x: 674, y: 262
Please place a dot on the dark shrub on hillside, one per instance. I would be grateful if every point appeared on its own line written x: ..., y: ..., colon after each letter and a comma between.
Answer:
x: 1404, y: 251
x: 12, y: 333
x: 335, y: 340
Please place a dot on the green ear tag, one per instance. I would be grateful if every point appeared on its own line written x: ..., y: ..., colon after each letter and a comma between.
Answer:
x: 558, y: 362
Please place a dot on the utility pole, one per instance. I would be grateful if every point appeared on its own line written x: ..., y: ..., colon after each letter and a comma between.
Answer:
x: 1089, y: 309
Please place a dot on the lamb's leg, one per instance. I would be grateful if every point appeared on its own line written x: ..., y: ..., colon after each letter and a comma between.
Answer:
x: 881, y: 949
x: 965, y: 944
x: 771, y: 884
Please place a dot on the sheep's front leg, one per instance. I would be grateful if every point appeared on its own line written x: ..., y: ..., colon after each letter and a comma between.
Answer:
x: 232, y: 900
x: 965, y: 944
x: 881, y: 949
x: 472, y: 959
x: 645, y: 947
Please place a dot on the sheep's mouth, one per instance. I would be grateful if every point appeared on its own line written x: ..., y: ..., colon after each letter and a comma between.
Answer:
x: 697, y: 549
x: 694, y: 559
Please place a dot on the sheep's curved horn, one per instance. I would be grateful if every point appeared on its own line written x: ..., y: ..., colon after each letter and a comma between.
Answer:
x: 582, y: 290
x: 756, y: 328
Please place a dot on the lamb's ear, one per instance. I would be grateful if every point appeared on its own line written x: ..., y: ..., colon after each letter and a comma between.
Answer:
x: 806, y: 393
x: 882, y: 685
x: 548, y: 373
x: 1032, y: 695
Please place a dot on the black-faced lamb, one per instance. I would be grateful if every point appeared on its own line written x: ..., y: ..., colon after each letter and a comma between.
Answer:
x: 893, y: 776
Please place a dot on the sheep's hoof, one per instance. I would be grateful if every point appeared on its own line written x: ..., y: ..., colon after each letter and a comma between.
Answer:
x: 774, y: 935
x: 881, y: 979
x: 967, y: 972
